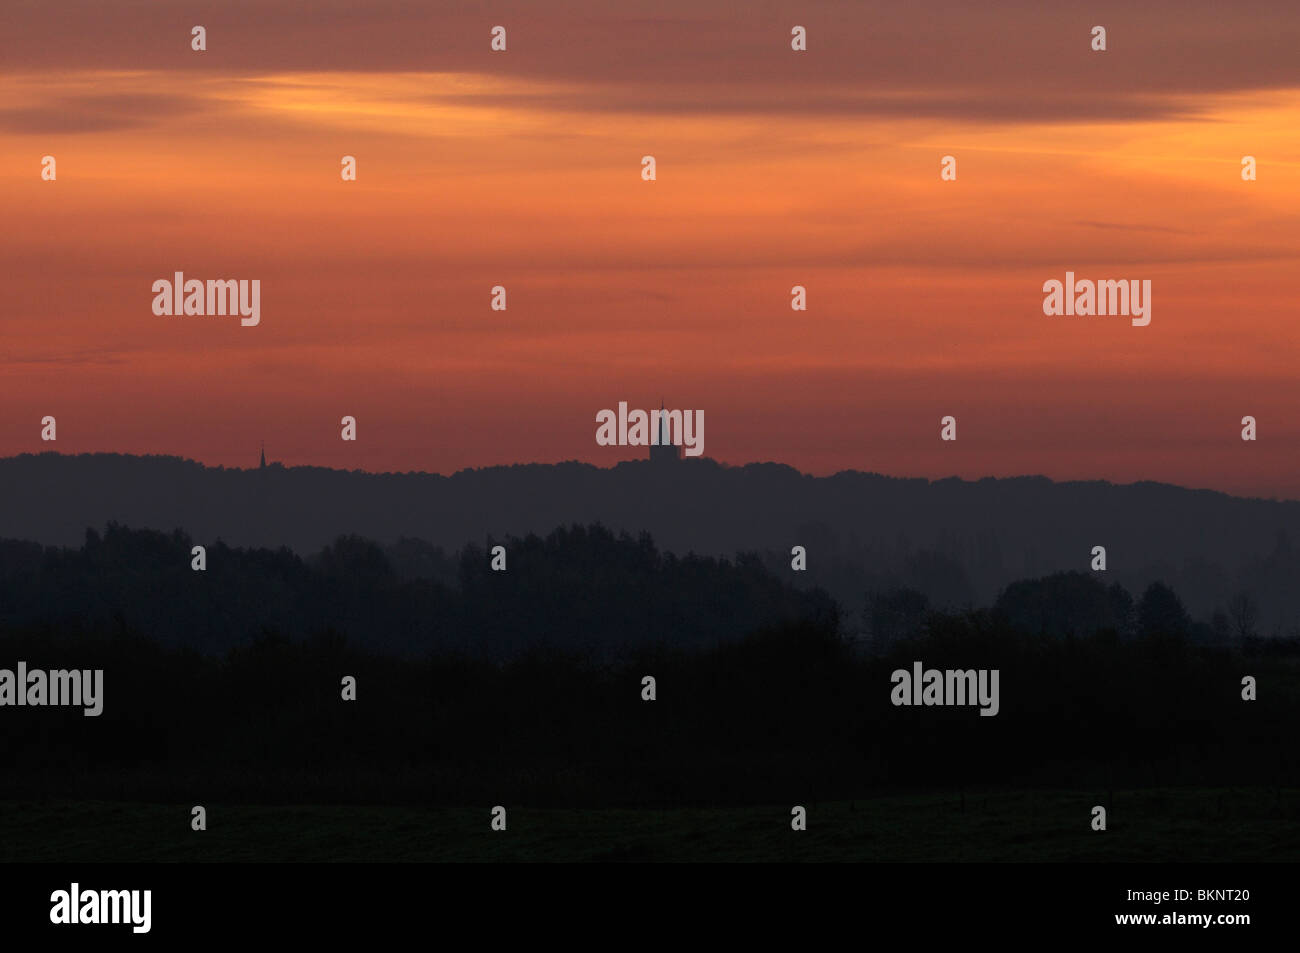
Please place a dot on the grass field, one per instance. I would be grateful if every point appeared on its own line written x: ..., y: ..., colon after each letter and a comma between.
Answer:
x: 1191, y: 825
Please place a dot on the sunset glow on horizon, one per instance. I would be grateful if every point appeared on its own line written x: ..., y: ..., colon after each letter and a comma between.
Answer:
x: 775, y: 169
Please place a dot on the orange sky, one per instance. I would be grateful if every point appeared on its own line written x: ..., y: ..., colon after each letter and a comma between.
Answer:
x: 775, y: 168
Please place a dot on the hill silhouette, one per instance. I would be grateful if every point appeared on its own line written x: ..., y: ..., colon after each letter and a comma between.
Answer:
x: 958, y: 542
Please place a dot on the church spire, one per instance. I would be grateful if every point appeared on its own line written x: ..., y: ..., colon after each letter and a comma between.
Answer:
x: 663, y: 450
x: 262, y: 465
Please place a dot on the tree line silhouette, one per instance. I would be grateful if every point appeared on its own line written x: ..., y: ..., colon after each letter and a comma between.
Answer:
x: 527, y: 684
x: 579, y: 588
x: 959, y: 542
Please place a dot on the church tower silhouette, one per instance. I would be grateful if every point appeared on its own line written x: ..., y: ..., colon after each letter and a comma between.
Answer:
x: 665, y: 452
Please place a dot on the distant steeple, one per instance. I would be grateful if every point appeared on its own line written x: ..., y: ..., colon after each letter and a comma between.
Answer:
x: 262, y: 465
x: 666, y: 451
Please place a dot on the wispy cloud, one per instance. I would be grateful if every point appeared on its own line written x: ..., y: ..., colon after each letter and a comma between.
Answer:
x: 105, y: 112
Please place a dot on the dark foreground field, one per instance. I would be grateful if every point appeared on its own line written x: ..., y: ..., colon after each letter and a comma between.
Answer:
x: 1189, y: 825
